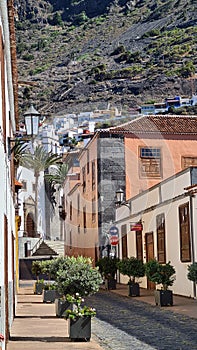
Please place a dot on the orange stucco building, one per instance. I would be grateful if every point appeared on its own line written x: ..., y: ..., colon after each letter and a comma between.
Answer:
x: 134, y: 156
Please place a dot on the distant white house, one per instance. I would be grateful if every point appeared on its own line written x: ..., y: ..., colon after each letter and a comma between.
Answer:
x: 161, y: 223
x: 50, y: 139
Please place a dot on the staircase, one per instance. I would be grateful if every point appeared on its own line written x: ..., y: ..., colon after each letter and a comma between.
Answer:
x: 44, y: 250
x: 48, y: 248
x: 57, y: 246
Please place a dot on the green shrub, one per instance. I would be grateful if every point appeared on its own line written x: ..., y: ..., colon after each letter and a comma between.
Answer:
x: 132, y: 267
x: 36, y: 268
x: 28, y: 57
x: 108, y: 267
x: 160, y: 273
x: 120, y: 49
x: 77, y: 275
x: 192, y: 272
x: 81, y: 18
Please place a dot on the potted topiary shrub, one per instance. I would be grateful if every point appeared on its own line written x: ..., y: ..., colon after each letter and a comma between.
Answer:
x: 192, y: 272
x: 108, y: 269
x: 50, y: 288
x: 61, y: 304
x: 163, y: 274
x: 133, y: 268
x: 37, y: 270
x: 77, y: 278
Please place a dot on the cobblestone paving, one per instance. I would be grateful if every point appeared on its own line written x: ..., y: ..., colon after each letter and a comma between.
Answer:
x: 111, y: 338
x: 143, y: 324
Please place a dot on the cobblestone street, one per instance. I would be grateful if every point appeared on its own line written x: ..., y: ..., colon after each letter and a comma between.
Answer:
x: 125, y: 323
x: 122, y: 323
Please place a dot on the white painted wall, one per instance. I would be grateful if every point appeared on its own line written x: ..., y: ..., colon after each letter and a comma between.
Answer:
x: 7, y: 203
x: 28, y: 196
x: 170, y: 194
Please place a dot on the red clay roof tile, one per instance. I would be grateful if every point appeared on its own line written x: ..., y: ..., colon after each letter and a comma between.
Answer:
x: 163, y: 124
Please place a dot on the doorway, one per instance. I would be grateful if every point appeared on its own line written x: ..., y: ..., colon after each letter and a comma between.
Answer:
x: 149, y: 241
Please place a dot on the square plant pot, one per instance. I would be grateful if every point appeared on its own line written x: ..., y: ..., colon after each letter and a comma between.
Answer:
x: 80, y: 328
x: 134, y: 289
x: 110, y: 284
x: 163, y: 297
x: 61, y: 306
x: 38, y: 288
x: 49, y: 296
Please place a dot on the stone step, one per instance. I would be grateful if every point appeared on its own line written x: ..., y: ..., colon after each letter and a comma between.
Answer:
x: 57, y: 246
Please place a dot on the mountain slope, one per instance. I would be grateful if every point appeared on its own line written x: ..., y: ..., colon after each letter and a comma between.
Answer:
x: 76, y: 55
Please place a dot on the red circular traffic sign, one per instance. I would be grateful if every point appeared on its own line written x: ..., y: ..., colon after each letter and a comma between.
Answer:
x: 114, y: 240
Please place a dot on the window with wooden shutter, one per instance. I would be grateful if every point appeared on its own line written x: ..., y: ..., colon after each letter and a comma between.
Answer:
x: 93, y: 175
x: 124, y: 241
x: 188, y: 161
x: 84, y: 179
x: 78, y: 204
x: 161, y: 242
x: 93, y: 210
x: 84, y: 219
x: 184, y: 220
x: 139, y: 249
x: 150, y: 162
x: 71, y: 211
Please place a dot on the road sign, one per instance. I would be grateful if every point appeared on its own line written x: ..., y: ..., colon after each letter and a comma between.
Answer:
x: 114, y: 240
x: 114, y: 235
x: 136, y: 226
x: 113, y: 230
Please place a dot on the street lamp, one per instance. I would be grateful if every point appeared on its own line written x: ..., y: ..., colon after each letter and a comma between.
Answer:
x: 120, y: 199
x: 31, y: 121
x: 62, y: 212
x: 31, y: 117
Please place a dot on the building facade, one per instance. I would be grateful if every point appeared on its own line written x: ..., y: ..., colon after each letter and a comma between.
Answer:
x: 8, y: 127
x: 134, y: 157
x: 161, y: 224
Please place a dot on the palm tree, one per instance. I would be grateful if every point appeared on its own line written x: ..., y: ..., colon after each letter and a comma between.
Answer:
x: 18, y: 151
x: 40, y: 160
x: 59, y: 176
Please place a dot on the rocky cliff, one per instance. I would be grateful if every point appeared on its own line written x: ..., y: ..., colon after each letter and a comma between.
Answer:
x: 78, y: 55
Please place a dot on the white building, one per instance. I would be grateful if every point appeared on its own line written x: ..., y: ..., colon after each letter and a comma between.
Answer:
x: 28, y: 233
x: 168, y: 216
x: 50, y: 139
x: 8, y: 237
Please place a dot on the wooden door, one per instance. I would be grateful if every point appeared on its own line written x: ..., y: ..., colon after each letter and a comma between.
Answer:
x: 149, y: 254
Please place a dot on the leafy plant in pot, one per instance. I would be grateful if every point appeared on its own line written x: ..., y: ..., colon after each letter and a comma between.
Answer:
x: 61, y: 304
x: 37, y: 270
x: 76, y: 279
x: 192, y: 272
x: 108, y: 269
x: 50, y: 288
x: 79, y: 325
x: 163, y: 274
x: 133, y: 268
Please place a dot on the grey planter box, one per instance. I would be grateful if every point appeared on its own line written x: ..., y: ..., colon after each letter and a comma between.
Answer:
x: 80, y: 328
x: 61, y: 306
x: 110, y: 284
x: 38, y: 288
x: 163, y: 297
x: 134, y: 289
x: 49, y: 296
